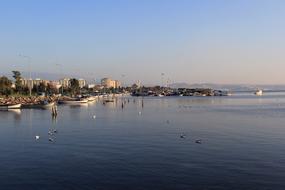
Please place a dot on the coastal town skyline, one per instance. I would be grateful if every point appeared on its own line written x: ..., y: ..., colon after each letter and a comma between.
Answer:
x: 142, y: 94
x: 224, y: 42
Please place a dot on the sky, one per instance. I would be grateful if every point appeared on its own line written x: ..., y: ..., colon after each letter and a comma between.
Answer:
x: 193, y: 41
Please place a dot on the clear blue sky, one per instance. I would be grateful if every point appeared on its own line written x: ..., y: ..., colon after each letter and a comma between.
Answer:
x: 220, y: 41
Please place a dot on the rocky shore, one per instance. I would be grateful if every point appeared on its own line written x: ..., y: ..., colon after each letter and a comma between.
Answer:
x: 27, y: 100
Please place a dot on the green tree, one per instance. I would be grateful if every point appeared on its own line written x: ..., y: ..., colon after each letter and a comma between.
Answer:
x: 5, y: 86
x: 74, y: 86
x: 18, y: 83
x: 42, y: 87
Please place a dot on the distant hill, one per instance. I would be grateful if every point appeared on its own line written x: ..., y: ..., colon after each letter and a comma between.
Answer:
x: 230, y: 87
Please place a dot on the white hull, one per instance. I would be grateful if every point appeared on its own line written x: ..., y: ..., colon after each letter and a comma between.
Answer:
x: 74, y: 102
x: 14, y: 106
x: 258, y: 93
x: 91, y: 99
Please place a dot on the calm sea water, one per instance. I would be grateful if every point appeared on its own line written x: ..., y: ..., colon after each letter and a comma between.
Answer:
x: 243, y: 145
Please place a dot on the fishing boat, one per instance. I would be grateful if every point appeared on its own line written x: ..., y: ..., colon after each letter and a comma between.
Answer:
x: 90, y: 98
x: 41, y: 105
x: 258, y: 93
x: 109, y: 100
x: 73, y: 101
x: 10, y: 106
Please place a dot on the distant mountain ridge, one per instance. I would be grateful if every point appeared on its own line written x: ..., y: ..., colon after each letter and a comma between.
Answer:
x: 230, y: 87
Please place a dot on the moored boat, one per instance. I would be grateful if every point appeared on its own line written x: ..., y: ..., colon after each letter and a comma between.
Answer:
x: 74, y: 101
x: 109, y: 100
x: 10, y: 106
x: 258, y: 93
x: 91, y: 98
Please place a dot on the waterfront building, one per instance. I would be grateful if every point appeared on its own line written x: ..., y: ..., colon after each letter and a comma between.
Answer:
x: 65, y: 83
x: 55, y: 84
x: 109, y: 83
x: 82, y: 83
x: 27, y: 83
x: 117, y: 84
x: 90, y: 86
x: 38, y: 81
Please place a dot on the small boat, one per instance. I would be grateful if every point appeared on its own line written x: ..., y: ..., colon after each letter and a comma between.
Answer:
x: 10, y: 106
x: 73, y: 102
x: 91, y: 98
x: 258, y: 93
x: 109, y: 100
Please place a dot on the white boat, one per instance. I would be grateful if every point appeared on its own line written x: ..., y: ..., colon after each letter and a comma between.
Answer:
x: 109, y: 100
x: 258, y: 93
x: 10, y: 106
x: 91, y: 98
x: 73, y: 102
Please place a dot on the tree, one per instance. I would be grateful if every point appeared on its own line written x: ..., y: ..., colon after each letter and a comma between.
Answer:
x: 50, y: 89
x: 18, y: 82
x: 5, y: 86
x: 42, y: 87
x: 74, y: 86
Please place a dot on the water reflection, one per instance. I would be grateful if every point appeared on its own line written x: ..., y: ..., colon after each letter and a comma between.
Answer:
x: 176, y: 149
x: 16, y: 113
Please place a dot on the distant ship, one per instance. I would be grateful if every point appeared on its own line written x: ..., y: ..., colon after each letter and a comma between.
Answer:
x: 258, y: 93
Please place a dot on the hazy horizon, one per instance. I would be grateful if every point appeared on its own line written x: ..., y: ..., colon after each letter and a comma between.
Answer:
x: 222, y: 42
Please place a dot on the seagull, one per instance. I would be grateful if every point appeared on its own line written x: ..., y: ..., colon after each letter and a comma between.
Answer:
x: 51, y: 139
x: 198, y: 141
x: 94, y: 116
x: 182, y: 136
x: 140, y: 112
x: 37, y: 137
